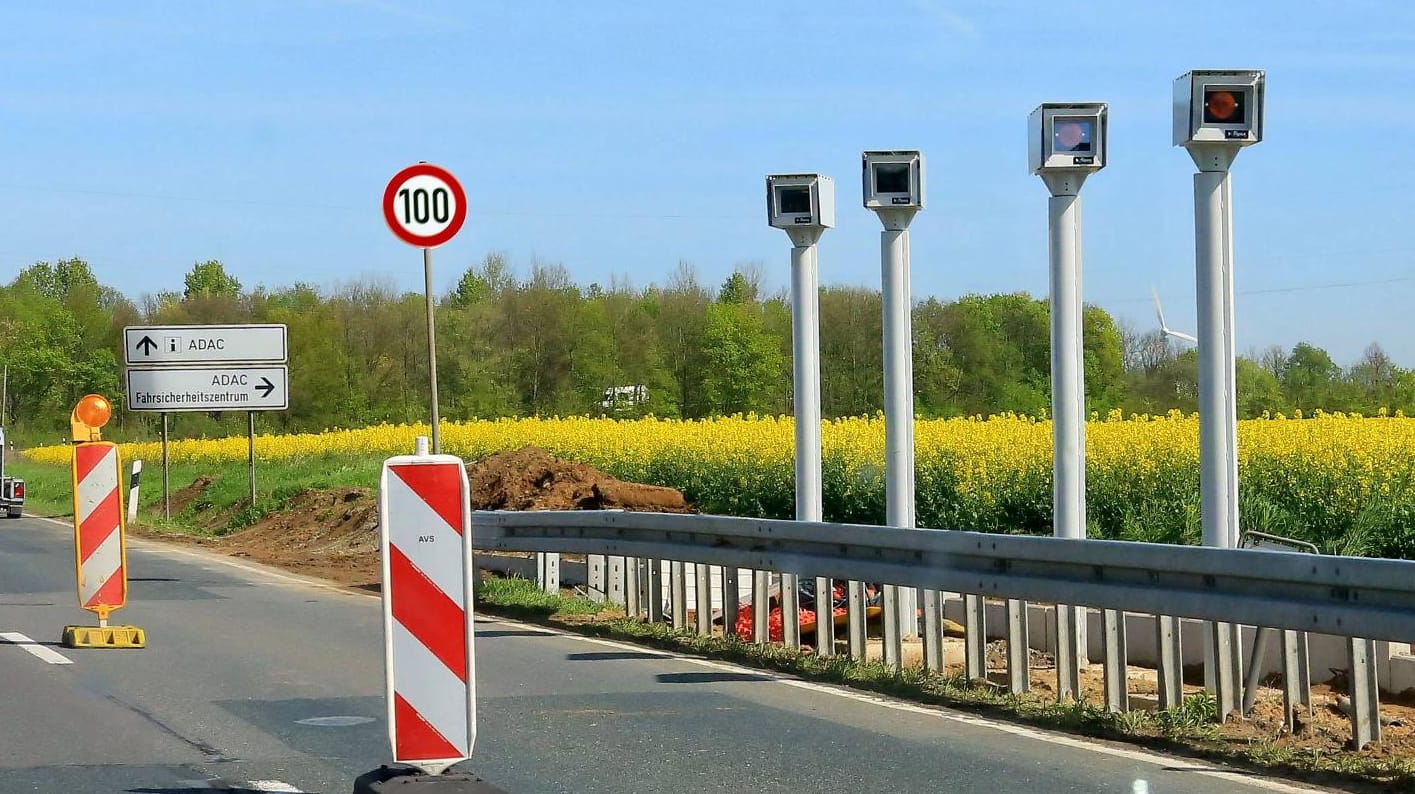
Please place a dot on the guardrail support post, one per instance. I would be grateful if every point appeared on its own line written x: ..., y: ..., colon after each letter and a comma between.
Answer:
x: 614, y: 573
x: 855, y: 597
x: 1068, y: 656
x: 702, y: 589
x: 548, y: 572
x: 655, y: 590
x: 1169, y: 668
x: 1365, y: 696
x: 825, y: 617
x: 678, y: 593
x: 1225, y: 667
x: 933, y: 630
x: 1019, y: 652
x: 595, y: 577
x: 975, y: 637
x: 1117, y: 682
x: 1296, y: 677
x: 761, y: 606
x: 731, y: 601
x: 633, y: 589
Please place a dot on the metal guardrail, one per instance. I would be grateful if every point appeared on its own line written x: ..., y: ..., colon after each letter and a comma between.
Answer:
x: 1362, y: 599
x: 1346, y: 596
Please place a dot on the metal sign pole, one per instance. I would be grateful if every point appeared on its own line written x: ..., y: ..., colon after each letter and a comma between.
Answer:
x: 166, y: 482
x: 432, y: 349
x: 250, y: 451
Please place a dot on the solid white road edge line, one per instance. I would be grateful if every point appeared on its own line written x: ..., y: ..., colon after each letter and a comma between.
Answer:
x: 47, y: 654
x: 1143, y: 756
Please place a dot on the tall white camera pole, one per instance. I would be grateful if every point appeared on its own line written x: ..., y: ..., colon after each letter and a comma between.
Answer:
x: 1067, y: 143
x: 804, y: 206
x: 893, y: 183
x: 1216, y: 114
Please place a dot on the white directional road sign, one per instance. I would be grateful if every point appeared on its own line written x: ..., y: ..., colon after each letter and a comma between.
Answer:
x: 159, y: 345
x: 233, y: 388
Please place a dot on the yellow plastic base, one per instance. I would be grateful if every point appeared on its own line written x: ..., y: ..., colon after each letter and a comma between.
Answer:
x: 106, y: 637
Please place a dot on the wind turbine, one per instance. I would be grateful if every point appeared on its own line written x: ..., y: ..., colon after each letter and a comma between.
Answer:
x: 1166, y: 330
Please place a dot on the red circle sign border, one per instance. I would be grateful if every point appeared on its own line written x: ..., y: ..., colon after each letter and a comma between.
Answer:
x: 459, y: 215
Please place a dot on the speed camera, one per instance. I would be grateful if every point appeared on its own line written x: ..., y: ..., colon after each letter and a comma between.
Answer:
x: 893, y: 179
x: 1067, y: 137
x: 1218, y: 106
x: 795, y: 201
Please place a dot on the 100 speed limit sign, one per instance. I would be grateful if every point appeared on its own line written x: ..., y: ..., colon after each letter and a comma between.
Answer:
x: 424, y: 205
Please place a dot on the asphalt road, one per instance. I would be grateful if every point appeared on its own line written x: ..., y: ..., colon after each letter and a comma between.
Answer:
x: 257, y: 681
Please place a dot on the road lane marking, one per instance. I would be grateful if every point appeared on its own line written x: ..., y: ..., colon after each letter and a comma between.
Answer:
x: 272, y: 785
x: 47, y: 654
x: 253, y: 785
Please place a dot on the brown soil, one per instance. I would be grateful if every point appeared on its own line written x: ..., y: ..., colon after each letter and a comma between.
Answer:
x: 333, y: 533
x: 532, y: 479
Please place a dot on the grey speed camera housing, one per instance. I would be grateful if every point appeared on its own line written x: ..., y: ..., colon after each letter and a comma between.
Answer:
x: 795, y: 201
x: 1219, y: 106
x: 1067, y: 137
x: 893, y: 179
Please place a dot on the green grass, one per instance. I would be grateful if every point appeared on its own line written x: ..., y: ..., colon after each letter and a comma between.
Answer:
x: 49, y: 489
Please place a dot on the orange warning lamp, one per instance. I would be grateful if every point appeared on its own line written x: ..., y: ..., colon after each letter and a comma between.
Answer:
x: 92, y: 413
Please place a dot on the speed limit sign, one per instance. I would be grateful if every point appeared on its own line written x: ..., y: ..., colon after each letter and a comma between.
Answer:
x: 424, y: 205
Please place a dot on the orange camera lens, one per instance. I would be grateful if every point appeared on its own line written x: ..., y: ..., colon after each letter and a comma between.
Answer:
x: 1221, y: 105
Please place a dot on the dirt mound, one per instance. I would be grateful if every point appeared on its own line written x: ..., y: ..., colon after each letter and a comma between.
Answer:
x: 532, y: 479
x: 191, y: 495
x: 330, y: 533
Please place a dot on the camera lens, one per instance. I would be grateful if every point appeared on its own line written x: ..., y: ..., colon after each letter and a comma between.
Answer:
x: 1224, y: 106
x: 1072, y: 135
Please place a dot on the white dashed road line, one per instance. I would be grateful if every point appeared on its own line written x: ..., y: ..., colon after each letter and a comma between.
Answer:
x: 47, y: 654
x: 254, y: 785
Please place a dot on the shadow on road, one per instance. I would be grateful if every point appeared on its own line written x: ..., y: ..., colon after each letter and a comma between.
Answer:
x: 707, y: 678
x: 611, y: 656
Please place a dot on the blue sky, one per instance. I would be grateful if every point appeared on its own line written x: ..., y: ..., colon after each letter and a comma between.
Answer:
x: 622, y: 138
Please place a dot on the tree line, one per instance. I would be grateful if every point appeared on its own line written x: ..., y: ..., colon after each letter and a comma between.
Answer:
x: 537, y: 343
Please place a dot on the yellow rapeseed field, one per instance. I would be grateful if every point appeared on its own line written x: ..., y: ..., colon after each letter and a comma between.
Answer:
x: 1316, y: 477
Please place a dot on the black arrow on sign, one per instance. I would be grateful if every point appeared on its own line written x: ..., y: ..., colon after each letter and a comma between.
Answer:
x: 146, y: 346
x: 265, y: 387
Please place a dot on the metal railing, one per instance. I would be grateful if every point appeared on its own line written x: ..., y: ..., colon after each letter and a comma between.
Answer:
x: 1363, y: 600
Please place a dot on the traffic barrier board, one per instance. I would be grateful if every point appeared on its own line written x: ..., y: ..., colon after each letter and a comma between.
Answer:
x: 99, y: 544
x: 427, y: 610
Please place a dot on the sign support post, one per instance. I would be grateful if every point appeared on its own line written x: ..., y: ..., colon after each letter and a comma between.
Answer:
x: 250, y: 451
x: 166, y: 472
x: 432, y: 349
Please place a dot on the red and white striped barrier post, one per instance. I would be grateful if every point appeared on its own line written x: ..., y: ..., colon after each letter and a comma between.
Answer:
x: 100, y: 547
x: 427, y: 610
